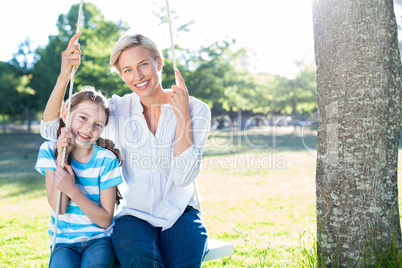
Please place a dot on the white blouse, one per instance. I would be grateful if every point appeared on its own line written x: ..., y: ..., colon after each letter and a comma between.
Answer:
x: 160, y: 185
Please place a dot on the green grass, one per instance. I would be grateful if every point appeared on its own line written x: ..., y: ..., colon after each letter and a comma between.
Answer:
x: 24, y: 217
x: 262, y: 200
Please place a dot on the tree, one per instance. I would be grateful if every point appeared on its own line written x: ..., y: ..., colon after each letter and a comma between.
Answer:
x: 359, y: 107
x: 96, y: 44
x: 216, y: 78
x: 399, y: 20
x: 23, y: 61
x: 8, y: 90
x: 14, y: 93
x: 293, y: 96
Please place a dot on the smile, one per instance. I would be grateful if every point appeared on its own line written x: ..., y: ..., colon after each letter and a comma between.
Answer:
x: 142, y: 85
x: 83, y: 136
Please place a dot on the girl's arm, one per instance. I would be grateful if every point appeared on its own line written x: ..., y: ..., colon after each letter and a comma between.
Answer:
x: 70, y: 58
x: 52, y: 192
x: 64, y: 140
x: 65, y: 182
x: 101, y: 215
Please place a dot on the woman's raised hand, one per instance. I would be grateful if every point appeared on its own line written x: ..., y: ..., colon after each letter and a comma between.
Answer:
x: 179, y: 98
x: 70, y: 57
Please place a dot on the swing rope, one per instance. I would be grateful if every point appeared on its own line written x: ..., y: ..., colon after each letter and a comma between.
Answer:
x: 197, y: 195
x: 171, y: 38
x: 67, y: 124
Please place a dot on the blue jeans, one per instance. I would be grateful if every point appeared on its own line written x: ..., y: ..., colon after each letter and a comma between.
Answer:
x: 92, y: 253
x: 139, y: 244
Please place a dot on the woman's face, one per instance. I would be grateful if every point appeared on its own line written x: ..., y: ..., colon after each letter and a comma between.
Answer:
x: 140, y: 70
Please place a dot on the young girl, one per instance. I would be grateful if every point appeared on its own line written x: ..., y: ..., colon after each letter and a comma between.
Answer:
x: 88, y: 184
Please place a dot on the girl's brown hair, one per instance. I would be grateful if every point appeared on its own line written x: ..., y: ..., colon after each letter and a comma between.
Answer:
x: 89, y: 93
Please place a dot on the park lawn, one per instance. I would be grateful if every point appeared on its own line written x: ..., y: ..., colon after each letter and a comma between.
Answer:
x: 257, y: 188
x: 259, y: 194
x: 24, y: 216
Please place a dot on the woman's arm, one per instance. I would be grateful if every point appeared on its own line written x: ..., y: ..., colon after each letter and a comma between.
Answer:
x: 186, y: 166
x: 70, y: 58
x: 191, y: 134
x: 179, y: 100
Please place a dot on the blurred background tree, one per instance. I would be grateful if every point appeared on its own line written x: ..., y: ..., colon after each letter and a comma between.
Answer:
x: 218, y: 74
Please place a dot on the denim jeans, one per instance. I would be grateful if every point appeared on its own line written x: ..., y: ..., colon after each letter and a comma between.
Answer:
x: 139, y: 244
x: 92, y: 253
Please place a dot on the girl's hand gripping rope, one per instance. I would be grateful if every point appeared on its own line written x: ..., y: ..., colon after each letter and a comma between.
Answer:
x: 66, y: 139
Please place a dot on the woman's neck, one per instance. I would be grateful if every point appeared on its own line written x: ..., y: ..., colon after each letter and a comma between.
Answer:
x: 82, y: 154
x: 159, y: 97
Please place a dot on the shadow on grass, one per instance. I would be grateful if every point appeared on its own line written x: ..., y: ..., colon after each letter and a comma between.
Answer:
x: 17, y: 162
x: 19, y: 152
x: 23, y: 186
x: 223, y: 143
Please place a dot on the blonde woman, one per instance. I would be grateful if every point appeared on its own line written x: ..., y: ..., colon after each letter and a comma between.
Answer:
x: 161, y: 135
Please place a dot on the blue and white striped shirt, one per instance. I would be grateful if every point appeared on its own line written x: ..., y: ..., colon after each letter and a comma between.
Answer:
x: 100, y: 173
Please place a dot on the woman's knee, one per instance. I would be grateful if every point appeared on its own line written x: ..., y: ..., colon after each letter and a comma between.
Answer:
x: 185, y: 243
x: 136, y: 243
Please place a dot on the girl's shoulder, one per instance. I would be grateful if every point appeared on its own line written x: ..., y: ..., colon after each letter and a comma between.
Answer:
x: 103, y: 153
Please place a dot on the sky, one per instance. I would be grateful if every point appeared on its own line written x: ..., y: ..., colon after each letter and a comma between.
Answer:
x: 276, y: 33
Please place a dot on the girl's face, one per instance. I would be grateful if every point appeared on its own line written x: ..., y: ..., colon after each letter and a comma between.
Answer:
x: 140, y: 70
x: 87, y: 122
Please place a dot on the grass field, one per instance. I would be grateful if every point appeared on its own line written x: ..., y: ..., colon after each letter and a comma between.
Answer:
x: 257, y: 187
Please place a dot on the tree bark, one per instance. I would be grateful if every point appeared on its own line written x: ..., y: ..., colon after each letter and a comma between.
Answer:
x: 359, y: 118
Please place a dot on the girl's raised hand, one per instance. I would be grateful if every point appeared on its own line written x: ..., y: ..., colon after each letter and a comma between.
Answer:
x: 66, y: 139
x: 179, y: 98
x: 70, y: 57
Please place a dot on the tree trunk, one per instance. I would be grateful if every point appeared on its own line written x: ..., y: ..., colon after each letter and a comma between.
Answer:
x: 3, y: 123
x: 28, y: 118
x: 359, y: 107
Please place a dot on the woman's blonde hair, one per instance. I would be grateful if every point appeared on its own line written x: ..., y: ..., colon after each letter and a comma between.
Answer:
x: 129, y: 41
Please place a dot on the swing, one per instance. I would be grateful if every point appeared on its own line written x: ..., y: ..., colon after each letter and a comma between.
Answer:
x: 217, y: 249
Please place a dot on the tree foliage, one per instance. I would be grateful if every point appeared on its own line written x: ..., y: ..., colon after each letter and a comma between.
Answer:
x: 214, y: 73
x: 297, y: 96
x: 96, y: 44
x: 14, y: 91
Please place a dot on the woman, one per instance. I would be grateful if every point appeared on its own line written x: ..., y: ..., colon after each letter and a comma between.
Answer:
x: 161, y: 135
